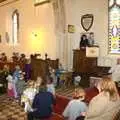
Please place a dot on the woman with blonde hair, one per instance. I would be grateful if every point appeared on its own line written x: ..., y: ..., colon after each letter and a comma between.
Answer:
x: 106, y: 103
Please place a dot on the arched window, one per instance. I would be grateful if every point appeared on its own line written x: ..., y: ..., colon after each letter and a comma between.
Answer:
x: 15, y: 27
x: 114, y: 26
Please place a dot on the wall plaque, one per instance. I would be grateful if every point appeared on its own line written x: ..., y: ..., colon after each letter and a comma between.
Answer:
x: 87, y: 21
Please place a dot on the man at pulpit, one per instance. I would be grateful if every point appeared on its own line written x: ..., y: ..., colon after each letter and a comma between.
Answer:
x: 91, y: 39
x: 84, y: 42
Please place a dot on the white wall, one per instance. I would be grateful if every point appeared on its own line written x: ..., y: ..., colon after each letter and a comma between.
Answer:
x: 38, y: 20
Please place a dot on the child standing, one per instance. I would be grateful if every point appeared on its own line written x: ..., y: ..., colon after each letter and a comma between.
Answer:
x: 28, y: 96
x: 10, y: 89
x: 20, y: 85
x: 50, y: 86
x: 16, y: 75
x: 52, y: 75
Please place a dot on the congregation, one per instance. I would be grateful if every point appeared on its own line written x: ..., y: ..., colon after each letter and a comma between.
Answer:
x: 38, y: 98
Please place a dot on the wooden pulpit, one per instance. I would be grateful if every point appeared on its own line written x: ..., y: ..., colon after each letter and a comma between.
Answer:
x: 83, y: 63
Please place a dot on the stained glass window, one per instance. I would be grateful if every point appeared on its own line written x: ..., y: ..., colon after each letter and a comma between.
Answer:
x: 114, y: 26
x: 15, y: 23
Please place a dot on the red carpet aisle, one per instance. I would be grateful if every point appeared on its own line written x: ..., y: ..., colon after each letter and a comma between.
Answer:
x: 10, y: 110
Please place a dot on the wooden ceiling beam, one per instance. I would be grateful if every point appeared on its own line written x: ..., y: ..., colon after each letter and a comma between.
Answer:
x: 2, y: 1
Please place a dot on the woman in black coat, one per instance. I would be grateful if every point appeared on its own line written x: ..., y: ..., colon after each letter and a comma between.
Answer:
x: 84, y: 42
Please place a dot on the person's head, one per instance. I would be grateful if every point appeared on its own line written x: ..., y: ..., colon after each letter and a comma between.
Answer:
x: 17, y: 54
x: 9, y: 77
x: 14, y: 53
x: 91, y: 35
x: 22, y: 55
x: 3, y: 54
x: 38, y: 81
x: 17, y: 67
x: 6, y: 67
x: 28, y: 61
x: 83, y: 37
x: 50, y: 68
x: 79, y: 93
x: 30, y: 83
x: 42, y: 88
x: 108, y: 85
x: 21, y: 75
x: 50, y: 80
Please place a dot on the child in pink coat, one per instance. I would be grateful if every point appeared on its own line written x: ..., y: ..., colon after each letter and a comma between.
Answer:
x: 10, y: 89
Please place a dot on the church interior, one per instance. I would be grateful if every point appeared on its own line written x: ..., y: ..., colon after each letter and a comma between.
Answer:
x: 70, y: 44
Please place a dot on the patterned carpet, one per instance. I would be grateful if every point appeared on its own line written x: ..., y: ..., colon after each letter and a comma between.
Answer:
x: 11, y: 110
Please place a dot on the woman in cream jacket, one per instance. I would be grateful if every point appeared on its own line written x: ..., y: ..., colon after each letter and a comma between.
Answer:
x: 106, y: 104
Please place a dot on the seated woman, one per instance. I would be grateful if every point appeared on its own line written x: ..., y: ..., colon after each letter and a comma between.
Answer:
x: 22, y: 58
x: 15, y: 57
x: 76, y: 107
x: 106, y: 103
x: 3, y: 57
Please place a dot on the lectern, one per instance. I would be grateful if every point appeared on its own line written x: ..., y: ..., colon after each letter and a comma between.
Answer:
x: 83, y: 63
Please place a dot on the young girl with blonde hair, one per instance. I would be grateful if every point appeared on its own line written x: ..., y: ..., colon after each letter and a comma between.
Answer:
x: 76, y: 107
x: 28, y: 95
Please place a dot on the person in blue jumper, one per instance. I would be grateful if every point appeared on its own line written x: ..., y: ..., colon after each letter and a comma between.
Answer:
x: 42, y: 105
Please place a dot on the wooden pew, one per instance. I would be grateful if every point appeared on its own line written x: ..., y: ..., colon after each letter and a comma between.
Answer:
x: 11, y: 65
x: 40, y: 67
